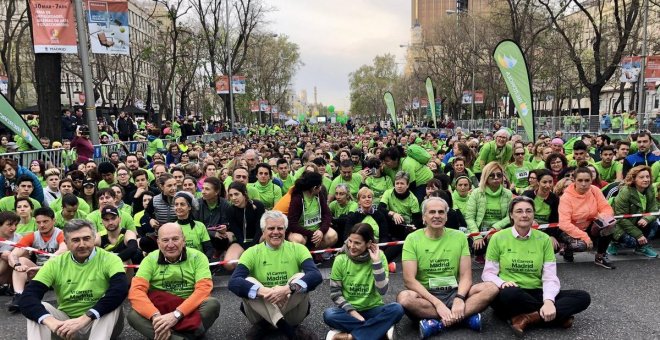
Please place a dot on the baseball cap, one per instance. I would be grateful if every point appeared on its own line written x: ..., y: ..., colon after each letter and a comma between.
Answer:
x: 109, y: 210
x: 557, y: 141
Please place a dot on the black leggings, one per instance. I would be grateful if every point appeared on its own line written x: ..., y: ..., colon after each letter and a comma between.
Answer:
x: 515, y: 301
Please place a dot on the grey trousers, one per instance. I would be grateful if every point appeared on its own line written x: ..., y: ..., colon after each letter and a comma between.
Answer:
x: 108, y: 326
x: 294, y: 311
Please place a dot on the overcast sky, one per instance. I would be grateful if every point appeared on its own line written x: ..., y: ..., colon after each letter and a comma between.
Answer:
x: 337, y: 37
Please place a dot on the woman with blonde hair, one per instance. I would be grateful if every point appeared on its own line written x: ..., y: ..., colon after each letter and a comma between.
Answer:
x: 487, y: 207
x: 636, y: 196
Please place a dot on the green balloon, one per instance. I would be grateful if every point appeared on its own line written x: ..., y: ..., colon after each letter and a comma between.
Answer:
x: 331, y: 108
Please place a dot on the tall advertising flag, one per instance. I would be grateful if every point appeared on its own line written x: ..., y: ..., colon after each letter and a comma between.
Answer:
x: 53, y: 26
x: 429, y: 92
x: 389, y: 102
x: 10, y: 118
x: 511, y: 62
x: 108, y: 26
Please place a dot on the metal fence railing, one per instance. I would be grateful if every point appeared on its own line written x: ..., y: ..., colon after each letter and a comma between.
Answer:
x: 56, y: 157
x: 210, y: 137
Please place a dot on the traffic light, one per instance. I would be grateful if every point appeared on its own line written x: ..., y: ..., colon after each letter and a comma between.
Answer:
x: 461, y: 6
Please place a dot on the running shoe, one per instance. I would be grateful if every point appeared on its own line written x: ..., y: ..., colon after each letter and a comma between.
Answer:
x: 646, y: 250
x: 473, y: 322
x: 390, y: 333
x: 12, y: 307
x: 568, y: 255
x: 603, y: 261
x: 429, y: 327
x: 391, y: 267
x: 612, y: 249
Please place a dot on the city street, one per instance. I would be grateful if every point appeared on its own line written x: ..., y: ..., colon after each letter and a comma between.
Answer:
x: 624, y: 305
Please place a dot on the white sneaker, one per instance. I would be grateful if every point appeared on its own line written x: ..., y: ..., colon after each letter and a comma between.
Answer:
x: 331, y: 334
x: 390, y: 333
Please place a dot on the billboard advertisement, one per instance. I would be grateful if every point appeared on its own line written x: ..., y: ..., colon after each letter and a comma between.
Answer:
x: 108, y: 26
x: 53, y: 26
x: 222, y: 85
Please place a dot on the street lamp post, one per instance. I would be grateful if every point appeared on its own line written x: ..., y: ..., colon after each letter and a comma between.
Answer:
x: 231, y: 86
x: 640, y: 79
x: 83, y: 52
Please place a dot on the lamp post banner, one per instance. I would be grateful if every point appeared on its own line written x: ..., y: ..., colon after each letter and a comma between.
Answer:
x: 108, y: 26
x: 511, y: 62
x: 53, y: 26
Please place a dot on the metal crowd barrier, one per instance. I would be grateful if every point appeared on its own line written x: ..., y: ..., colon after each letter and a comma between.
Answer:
x: 209, y: 137
x: 54, y: 157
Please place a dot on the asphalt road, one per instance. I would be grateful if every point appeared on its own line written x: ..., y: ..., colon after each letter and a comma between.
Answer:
x: 625, y: 305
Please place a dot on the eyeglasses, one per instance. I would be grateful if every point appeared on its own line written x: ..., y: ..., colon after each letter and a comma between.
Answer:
x: 496, y: 175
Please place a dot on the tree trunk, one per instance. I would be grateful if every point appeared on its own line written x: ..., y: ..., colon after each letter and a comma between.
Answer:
x: 47, y: 72
x: 620, y: 98
x: 594, y: 98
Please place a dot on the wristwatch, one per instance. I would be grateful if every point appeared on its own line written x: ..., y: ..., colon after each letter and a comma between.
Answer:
x: 294, y: 287
x: 459, y: 296
x: 90, y: 314
x: 178, y: 315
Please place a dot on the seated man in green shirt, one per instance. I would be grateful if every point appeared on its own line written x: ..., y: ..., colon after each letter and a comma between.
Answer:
x: 90, y: 285
x: 172, y: 289
x: 107, y: 197
x: 70, y: 210
x: 66, y: 187
x: 346, y: 175
x: 273, y: 279
x: 24, y: 189
x: 437, y: 274
x: 609, y: 170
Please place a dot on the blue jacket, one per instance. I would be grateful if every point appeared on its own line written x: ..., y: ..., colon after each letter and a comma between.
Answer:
x: 606, y: 123
x: 639, y: 158
x: 37, y: 193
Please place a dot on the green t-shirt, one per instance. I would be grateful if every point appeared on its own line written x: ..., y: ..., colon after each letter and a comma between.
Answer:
x: 7, y: 203
x: 274, y: 267
x: 252, y: 192
x: 56, y: 205
x: 460, y: 203
x: 608, y: 174
x: 126, y: 221
x: 286, y: 183
x: 521, y: 261
x: 78, y: 286
x: 267, y: 194
x: 518, y: 174
x: 406, y: 207
x: 60, y: 221
x: 438, y: 260
x: 195, y: 236
x: 374, y: 225
x: 378, y: 185
x: 137, y: 217
x: 311, y: 217
x: 353, y: 184
x: 29, y: 227
x: 642, y: 200
x: 176, y: 278
x: 493, y: 212
x: 419, y: 173
x: 541, y: 210
x: 357, y: 282
x: 337, y: 210
x: 154, y: 146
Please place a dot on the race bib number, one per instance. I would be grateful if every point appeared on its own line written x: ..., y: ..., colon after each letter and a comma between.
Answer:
x: 522, y: 175
x: 312, y: 221
x: 443, y: 282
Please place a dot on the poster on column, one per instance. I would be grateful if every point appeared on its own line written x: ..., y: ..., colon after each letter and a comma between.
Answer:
x: 108, y: 26
x: 53, y: 26
x: 652, y: 71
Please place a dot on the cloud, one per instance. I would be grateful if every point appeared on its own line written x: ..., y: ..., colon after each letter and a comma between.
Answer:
x: 337, y: 37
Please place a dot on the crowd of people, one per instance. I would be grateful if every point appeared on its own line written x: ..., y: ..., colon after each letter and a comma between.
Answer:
x: 266, y: 205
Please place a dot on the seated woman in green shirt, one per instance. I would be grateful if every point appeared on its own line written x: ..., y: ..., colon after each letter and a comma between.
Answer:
x: 486, y: 209
x: 521, y: 262
x: 194, y: 231
x: 375, y: 179
x: 458, y: 169
x: 461, y: 193
x: 358, y: 282
x: 546, y: 204
x: 24, y: 208
x: 268, y: 192
x: 401, y: 206
x: 342, y: 206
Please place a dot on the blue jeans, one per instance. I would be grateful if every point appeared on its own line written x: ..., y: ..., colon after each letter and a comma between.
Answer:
x: 649, y: 232
x: 377, y: 320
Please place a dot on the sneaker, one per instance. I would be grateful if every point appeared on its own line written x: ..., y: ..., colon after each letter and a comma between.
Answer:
x: 391, y: 267
x: 331, y: 334
x: 612, y: 249
x: 603, y: 261
x: 568, y: 255
x: 473, y: 322
x: 390, y: 334
x: 429, y: 327
x: 646, y: 250
x: 5, y: 290
x: 12, y: 307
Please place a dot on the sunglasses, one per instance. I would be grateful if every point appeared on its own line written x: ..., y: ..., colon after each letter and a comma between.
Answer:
x: 519, y: 154
x: 496, y: 175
